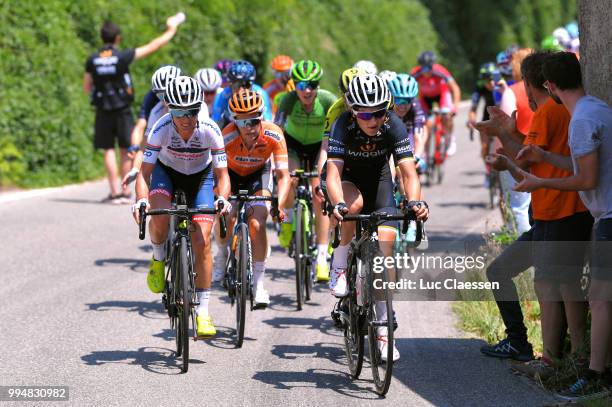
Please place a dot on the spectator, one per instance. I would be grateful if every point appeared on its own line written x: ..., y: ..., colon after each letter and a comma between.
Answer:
x: 107, y: 80
x: 559, y: 217
x: 590, y: 142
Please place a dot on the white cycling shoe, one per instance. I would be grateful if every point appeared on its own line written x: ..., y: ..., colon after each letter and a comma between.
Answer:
x: 338, y: 284
x: 262, y: 298
x: 452, y: 147
x: 383, y: 348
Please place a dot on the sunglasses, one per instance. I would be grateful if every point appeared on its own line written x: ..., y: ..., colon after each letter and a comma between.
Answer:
x: 403, y: 101
x: 303, y: 85
x: 184, y: 113
x: 160, y: 95
x: 248, y: 122
x: 242, y: 84
x: 371, y: 115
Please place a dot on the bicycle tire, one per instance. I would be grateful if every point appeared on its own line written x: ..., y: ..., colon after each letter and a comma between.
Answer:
x: 174, y: 265
x: 382, y: 372
x: 431, y: 157
x: 353, y: 335
x: 242, y: 285
x: 297, y: 256
x: 185, y: 307
x: 307, y: 262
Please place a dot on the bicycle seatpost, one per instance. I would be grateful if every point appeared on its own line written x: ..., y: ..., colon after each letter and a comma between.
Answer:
x: 143, y: 220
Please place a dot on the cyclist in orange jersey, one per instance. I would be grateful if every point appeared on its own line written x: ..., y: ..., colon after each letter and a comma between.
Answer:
x: 281, y: 65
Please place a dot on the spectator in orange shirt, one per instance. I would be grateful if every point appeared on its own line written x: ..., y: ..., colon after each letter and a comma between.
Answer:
x: 560, y: 218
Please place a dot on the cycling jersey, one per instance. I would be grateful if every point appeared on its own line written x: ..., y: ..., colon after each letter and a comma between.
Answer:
x: 334, y: 111
x: 187, y: 157
x: 414, y: 119
x: 480, y: 92
x: 305, y: 128
x: 273, y: 88
x: 221, y: 114
x: 350, y: 145
x: 434, y: 83
x: 269, y: 143
x: 160, y: 109
x: 149, y: 101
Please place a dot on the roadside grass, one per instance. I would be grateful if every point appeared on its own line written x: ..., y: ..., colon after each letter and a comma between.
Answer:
x: 479, y: 315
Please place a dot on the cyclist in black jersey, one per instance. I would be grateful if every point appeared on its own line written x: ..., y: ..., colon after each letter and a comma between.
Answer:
x: 358, y: 176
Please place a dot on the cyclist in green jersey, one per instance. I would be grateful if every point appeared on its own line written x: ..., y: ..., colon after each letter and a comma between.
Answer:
x: 301, y: 114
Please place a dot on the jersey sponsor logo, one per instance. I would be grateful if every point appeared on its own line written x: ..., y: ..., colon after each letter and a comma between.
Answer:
x: 366, y: 154
x: 162, y: 125
x: 272, y: 134
x: 148, y: 153
x: 368, y: 147
x: 335, y: 149
x: 403, y: 149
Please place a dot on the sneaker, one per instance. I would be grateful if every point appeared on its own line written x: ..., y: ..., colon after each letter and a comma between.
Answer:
x: 285, y: 235
x: 536, y: 368
x: 338, y: 285
x: 125, y: 198
x: 205, y: 326
x: 382, y: 348
x: 113, y: 199
x: 262, y: 298
x: 322, y: 273
x: 219, y: 262
x: 452, y: 147
x: 505, y: 350
x: 590, y: 386
x: 155, y: 277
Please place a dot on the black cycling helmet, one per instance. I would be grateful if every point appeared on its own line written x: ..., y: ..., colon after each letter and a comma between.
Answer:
x: 427, y: 59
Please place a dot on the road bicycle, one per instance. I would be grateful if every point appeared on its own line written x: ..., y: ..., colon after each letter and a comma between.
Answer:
x: 302, y: 247
x: 356, y: 313
x: 179, y: 296
x: 436, y: 147
x: 238, y: 276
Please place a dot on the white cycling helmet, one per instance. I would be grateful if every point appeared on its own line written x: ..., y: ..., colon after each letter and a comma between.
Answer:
x: 183, y: 92
x: 367, y: 66
x: 209, y: 79
x: 387, y: 76
x: 368, y: 91
x: 562, y: 35
x: 162, y: 76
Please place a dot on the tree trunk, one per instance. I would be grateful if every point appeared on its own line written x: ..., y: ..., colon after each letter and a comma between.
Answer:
x: 594, y: 18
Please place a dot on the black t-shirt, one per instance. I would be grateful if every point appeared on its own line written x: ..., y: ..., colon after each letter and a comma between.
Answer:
x: 109, y: 68
x: 480, y: 92
x: 148, y: 103
x: 362, y: 152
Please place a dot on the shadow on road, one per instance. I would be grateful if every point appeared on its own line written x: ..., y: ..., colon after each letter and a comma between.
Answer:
x: 133, y: 264
x: 323, y: 324
x: 82, y: 201
x: 153, y: 310
x: 470, y: 205
x: 335, y: 380
x: 154, y: 360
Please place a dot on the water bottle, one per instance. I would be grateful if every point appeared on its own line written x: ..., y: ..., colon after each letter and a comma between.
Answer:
x: 411, y: 233
x: 359, y: 283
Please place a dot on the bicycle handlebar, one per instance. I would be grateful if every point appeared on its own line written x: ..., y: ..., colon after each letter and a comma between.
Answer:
x: 175, y: 211
x: 376, y: 217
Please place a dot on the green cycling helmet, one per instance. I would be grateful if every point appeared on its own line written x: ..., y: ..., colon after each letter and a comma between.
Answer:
x: 306, y: 70
x: 550, y: 43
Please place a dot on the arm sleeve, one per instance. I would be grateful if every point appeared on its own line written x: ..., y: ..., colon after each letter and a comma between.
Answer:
x: 475, y: 99
x: 538, y: 133
x: 217, y: 146
x: 419, y: 115
x: 127, y: 55
x: 585, y: 137
x: 220, y: 105
x: 402, y: 149
x: 89, y: 65
x: 148, y: 103
x: 281, y: 157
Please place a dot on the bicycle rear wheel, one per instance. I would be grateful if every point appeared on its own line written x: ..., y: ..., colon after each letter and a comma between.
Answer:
x: 353, y: 334
x: 184, y: 306
x: 242, y: 285
x: 298, y: 256
x: 308, y: 258
x: 382, y: 371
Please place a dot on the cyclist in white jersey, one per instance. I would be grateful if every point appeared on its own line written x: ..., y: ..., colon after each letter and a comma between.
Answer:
x: 184, y: 151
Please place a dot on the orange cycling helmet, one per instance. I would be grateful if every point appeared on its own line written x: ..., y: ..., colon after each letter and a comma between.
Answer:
x: 282, y: 63
x: 246, y: 102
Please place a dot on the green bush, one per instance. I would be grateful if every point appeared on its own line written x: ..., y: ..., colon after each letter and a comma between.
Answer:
x: 46, y: 123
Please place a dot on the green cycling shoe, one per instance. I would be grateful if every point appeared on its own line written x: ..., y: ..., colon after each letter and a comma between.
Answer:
x: 155, y: 277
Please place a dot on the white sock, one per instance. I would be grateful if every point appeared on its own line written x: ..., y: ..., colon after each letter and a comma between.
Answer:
x: 381, y: 315
x: 340, y: 257
x: 259, y: 268
x: 321, y: 253
x: 288, y: 215
x: 159, y: 251
x: 203, y: 296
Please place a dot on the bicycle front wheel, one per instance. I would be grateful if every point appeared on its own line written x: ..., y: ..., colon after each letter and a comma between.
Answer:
x: 353, y: 333
x: 242, y: 284
x: 184, y: 305
x: 298, y: 255
x: 381, y: 324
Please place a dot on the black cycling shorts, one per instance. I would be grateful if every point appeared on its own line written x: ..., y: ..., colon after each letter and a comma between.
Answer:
x: 257, y: 181
x: 305, y: 153
x: 111, y: 125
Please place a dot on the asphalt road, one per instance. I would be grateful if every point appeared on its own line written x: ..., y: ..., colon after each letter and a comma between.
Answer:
x: 76, y: 311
